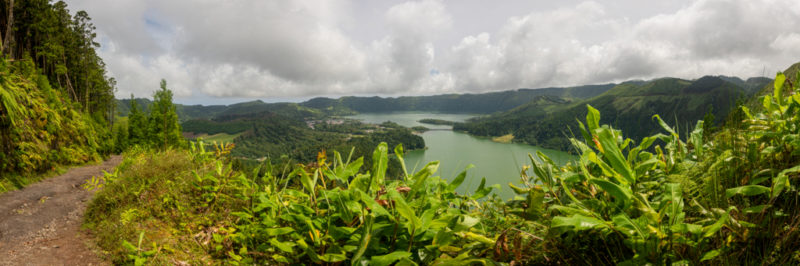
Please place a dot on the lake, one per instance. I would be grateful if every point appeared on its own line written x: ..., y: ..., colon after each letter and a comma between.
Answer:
x: 500, y: 163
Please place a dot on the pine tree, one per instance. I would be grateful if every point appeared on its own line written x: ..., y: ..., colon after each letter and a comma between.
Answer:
x: 137, y: 126
x: 165, y: 130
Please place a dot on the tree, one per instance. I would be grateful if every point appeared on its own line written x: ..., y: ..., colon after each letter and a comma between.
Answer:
x: 165, y: 130
x: 137, y: 125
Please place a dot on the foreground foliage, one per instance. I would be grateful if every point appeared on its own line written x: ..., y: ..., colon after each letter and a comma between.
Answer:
x: 729, y: 198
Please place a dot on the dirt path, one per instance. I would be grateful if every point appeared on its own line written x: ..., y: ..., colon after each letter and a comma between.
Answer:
x: 40, y: 224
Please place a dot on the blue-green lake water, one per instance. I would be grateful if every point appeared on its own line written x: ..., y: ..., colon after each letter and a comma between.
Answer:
x: 499, y: 163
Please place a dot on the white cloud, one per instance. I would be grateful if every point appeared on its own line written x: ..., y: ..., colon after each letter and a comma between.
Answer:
x: 295, y: 48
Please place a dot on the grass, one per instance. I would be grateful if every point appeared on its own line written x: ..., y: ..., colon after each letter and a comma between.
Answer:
x: 153, y: 194
x: 504, y: 138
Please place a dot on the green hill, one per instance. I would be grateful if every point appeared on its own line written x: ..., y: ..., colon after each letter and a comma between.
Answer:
x: 483, y: 103
x: 628, y: 106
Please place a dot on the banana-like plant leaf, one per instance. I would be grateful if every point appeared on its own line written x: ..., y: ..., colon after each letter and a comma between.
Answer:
x: 388, y: 259
x: 380, y: 162
x: 614, y: 156
x: 622, y: 194
x: 398, y: 152
x: 748, y: 190
x: 714, y: 228
x: 781, y: 182
x: 405, y: 210
x: 592, y: 118
x: 780, y: 78
x: 577, y: 222
x: 459, y: 179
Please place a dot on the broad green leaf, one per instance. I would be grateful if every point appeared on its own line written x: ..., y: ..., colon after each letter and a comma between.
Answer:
x: 781, y: 182
x: 586, y: 136
x: 517, y: 189
x: 712, y: 229
x: 748, y: 190
x: 283, y: 246
x: 405, y: 210
x: 422, y: 176
x: 388, y: 259
x: 697, y: 138
x: 482, y: 190
x: 592, y: 118
x: 459, y: 179
x: 380, y: 162
x: 665, y: 126
x: 376, y: 208
x: 756, y: 209
x: 675, y: 205
x: 623, y: 195
x: 366, y: 236
x: 577, y: 222
x: 614, y: 156
x: 333, y: 257
x: 710, y: 255
x: 780, y: 78
x: 278, y: 231
x: 398, y: 152
x: 535, y: 203
x: 443, y: 238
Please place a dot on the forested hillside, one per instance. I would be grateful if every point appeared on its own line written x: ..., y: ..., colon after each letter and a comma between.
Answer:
x: 628, y: 106
x: 483, y: 103
x: 56, y: 101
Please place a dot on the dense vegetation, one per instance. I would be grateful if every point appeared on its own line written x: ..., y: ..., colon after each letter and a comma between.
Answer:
x: 484, y: 103
x: 728, y: 198
x: 627, y: 106
x: 55, y: 97
x: 158, y: 128
x: 433, y: 121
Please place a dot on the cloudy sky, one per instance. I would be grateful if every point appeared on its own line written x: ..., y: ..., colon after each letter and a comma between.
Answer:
x: 233, y: 50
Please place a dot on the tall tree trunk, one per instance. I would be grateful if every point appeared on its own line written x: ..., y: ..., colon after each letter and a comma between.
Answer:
x: 9, y: 27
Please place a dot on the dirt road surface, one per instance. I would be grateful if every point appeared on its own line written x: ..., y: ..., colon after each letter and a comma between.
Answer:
x: 40, y: 224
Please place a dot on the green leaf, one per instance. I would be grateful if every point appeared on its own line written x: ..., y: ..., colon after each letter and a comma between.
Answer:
x: 388, y: 259
x: 398, y: 152
x: 675, y: 205
x: 422, y: 176
x: 623, y: 195
x: 710, y: 255
x: 748, y: 190
x: 780, y: 78
x: 614, y: 156
x: 592, y: 118
x: 697, y: 138
x: 781, y: 182
x: 380, y: 162
x: 278, y: 231
x: 405, y: 210
x: 482, y: 190
x: 712, y: 229
x: 366, y: 236
x: 283, y: 246
x: 665, y: 126
x: 577, y: 222
x: 459, y: 179
x: 333, y: 257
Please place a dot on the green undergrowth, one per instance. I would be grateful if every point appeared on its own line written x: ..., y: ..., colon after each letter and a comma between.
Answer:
x: 41, y: 130
x: 726, y: 199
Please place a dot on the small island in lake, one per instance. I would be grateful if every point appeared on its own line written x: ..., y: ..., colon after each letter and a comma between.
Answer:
x: 433, y: 121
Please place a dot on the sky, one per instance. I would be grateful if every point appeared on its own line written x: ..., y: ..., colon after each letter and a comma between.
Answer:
x: 221, y: 52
